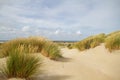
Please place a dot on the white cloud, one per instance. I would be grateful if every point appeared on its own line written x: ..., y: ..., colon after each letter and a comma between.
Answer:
x: 57, y: 31
x: 26, y: 28
x: 78, y: 33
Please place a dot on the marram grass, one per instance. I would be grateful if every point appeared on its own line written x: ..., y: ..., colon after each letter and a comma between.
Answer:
x: 20, y: 65
x: 112, y: 42
x: 51, y: 50
x: 90, y: 42
x: 32, y: 45
x: 113, y: 33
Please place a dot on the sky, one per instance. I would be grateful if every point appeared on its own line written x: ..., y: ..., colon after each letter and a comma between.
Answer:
x: 58, y: 19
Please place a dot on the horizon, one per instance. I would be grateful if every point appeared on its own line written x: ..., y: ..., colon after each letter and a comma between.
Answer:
x: 5, y: 40
x: 62, y: 20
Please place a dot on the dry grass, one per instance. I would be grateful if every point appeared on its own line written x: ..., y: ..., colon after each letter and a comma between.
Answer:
x: 112, y: 42
x: 0, y: 45
x: 31, y: 45
x: 51, y: 50
x: 20, y: 65
x: 113, y: 33
x: 90, y: 42
x: 71, y: 46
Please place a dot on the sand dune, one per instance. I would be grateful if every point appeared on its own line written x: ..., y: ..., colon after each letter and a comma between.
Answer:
x: 93, y: 64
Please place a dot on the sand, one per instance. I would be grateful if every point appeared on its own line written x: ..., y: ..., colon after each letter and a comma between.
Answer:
x: 92, y: 64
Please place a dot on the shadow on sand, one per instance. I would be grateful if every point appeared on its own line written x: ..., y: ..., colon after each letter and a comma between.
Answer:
x: 2, y: 77
x: 51, y: 77
x: 63, y: 59
x: 45, y: 77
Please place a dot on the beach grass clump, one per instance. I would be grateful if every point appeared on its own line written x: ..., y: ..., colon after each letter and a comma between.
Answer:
x: 90, y: 42
x: 51, y: 50
x: 0, y: 45
x: 20, y: 65
x: 32, y: 44
x: 70, y: 46
x: 113, y: 33
x: 112, y: 42
x: 60, y: 44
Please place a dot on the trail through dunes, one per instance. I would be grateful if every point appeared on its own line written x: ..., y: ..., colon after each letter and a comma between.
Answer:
x: 92, y: 64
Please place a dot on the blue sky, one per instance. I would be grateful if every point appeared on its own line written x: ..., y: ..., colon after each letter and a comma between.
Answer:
x: 58, y: 19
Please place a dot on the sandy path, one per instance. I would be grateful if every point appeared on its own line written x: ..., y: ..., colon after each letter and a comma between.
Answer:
x: 93, y: 64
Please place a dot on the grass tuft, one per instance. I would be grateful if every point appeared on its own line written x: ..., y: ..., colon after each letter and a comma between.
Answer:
x: 20, y: 65
x: 112, y: 42
x: 70, y: 46
x: 90, y: 42
x: 51, y: 50
x: 113, y: 33
x: 31, y: 45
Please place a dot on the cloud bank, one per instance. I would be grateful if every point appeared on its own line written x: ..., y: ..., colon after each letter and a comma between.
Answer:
x: 58, y: 19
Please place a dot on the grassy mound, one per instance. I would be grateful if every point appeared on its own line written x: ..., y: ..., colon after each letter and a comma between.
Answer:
x: 31, y: 45
x: 20, y: 65
x: 51, y: 50
x: 112, y: 42
x: 90, y: 42
x: 0, y: 45
x: 71, y: 46
x: 113, y: 33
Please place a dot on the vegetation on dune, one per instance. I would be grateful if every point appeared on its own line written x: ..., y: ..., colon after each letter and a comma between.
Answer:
x: 31, y: 45
x: 70, y: 46
x: 113, y: 33
x: 20, y: 65
x: 0, y: 45
x: 112, y: 42
x: 90, y: 42
x: 51, y: 50
x: 60, y: 43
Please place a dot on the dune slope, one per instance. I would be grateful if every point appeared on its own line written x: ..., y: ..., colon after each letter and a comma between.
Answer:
x: 92, y: 64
